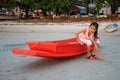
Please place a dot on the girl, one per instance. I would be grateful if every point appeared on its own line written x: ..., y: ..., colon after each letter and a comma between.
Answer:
x: 88, y: 36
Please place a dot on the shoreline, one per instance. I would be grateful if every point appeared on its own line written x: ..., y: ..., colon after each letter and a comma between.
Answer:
x: 12, y: 26
x: 72, y: 21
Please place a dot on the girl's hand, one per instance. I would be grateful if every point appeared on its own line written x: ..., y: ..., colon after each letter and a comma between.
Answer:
x: 77, y: 40
x: 100, y: 57
x: 81, y: 42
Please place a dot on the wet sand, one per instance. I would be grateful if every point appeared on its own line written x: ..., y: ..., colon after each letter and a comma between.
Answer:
x: 20, y: 67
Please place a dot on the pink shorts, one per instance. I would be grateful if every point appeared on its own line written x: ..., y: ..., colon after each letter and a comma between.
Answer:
x: 84, y: 40
x: 87, y: 41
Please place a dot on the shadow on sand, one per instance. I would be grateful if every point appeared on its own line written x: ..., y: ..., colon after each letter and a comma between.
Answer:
x: 44, y: 63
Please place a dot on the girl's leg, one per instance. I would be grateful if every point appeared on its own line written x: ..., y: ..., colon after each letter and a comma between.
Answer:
x: 93, y: 52
x: 88, y: 51
x: 88, y: 43
x: 89, y: 56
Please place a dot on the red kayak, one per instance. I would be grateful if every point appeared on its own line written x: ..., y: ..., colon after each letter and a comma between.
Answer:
x: 54, y: 49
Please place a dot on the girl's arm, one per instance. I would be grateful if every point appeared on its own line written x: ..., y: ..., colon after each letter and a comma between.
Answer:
x: 77, y: 33
x: 97, y: 49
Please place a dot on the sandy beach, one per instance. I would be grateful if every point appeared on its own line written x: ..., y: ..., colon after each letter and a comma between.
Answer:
x: 20, y: 67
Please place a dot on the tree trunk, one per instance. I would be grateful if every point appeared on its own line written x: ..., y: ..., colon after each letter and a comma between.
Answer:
x: 113, y: 7
x: 18, y: 12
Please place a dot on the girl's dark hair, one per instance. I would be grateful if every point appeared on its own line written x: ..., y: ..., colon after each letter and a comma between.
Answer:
x: 96, y: 25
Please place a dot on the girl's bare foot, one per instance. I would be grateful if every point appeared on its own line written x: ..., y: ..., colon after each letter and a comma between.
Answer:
x: 90, y: 57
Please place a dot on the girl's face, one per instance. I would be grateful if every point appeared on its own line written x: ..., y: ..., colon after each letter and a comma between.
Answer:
x: 92, y: 29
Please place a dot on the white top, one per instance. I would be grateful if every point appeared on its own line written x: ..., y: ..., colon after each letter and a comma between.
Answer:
x: 85, y: 35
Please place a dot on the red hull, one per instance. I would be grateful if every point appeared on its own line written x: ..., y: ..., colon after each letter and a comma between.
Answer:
x: 54, y: 49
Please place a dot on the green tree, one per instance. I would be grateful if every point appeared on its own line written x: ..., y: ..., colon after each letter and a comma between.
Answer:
x: 86, y: 3
x: 114, y: 5
x: 11, y: 3
x: 99, y: 5
x: 24, y: 4
x: 57, y: 6
x: 47, y: 6
x: 62, y: 6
